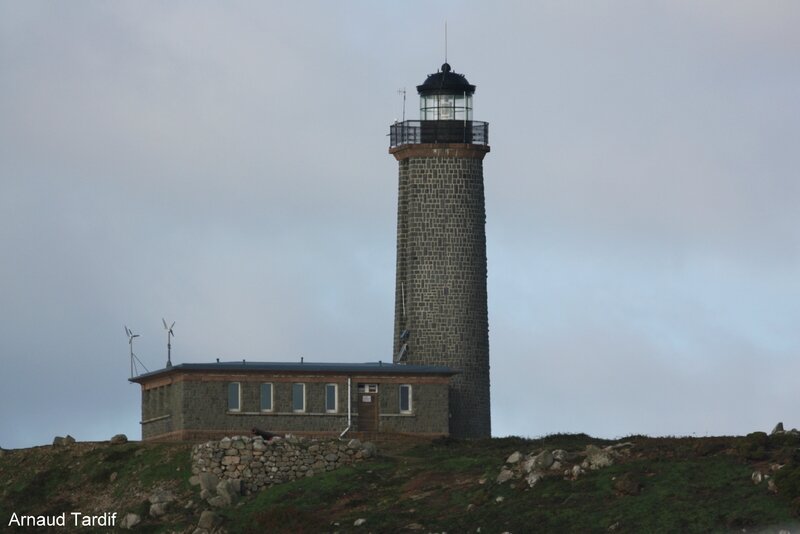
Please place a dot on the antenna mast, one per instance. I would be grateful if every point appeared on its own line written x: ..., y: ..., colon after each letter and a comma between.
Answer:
x: 445, y: 41
x: 170, y: 335
x: 403, y: 92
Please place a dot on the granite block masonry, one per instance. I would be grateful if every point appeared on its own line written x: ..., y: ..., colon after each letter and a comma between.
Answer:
x: 258, y: 463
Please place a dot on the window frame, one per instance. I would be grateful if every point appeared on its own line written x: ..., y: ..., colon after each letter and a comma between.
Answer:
x: 271, y: 397
x: 400, y: 399
x: 238, y: 396
x: 303, y: 385
x: 335, y: 408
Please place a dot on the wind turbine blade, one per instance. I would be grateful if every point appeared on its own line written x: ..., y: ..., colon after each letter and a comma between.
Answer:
x: 127, y: 332
x: 173, y: 324
x: 165, y: 323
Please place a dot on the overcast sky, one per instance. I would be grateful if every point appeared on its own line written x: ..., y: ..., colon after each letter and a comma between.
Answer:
x: 224, y: 165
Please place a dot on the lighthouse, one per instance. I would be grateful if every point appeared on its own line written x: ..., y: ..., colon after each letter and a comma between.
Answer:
x: 441, y: 315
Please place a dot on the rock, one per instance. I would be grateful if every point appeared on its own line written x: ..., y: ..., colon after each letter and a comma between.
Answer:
x: 60, y: 441
x: 113, y: 477
x: 560, y: 455
x: 359, y: 522
x: 414, y: 526
x: 771, y: 486
x: 161, y: 496
x: 778, y: 429
x: 500, y: 499
x: 628, y: 484
x: 514, y: 458
x: 208, y: 520
x: 576, y: 471
x: 218, y: 502
x: 119, y: 439
x: 208, y: 481
x: 130, y: 521
x: 230, y: 489
x: 158, y: 509
x: 206, y: 494
x: 598, y: 458
x: 756, y: 477
x: 556, y: 466
x: 544, y: 460
x: 370, y: 449
x: 225, y: 443
x: 354, y: 444
x: 533, y: 479
x: 504, y: 476
x: 194, y: 480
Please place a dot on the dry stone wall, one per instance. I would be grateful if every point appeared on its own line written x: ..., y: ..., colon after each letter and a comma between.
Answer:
x: 259, y: 463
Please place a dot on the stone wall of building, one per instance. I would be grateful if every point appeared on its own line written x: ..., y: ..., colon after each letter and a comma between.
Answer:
x: 259, y: 463
x: 440, y: 295
x: 196, y: 407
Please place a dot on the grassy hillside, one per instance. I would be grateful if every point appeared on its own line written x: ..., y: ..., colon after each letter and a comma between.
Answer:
x: 681, y: 485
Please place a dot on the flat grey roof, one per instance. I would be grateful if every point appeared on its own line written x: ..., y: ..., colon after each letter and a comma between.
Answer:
x: 305, y: 367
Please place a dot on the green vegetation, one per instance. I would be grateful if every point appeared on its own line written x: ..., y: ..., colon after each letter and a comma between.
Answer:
x: 664, y: 485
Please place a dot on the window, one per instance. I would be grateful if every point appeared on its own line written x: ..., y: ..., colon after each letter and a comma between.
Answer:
x: 298, y: 397
x: 266, y: 397
x: 330, y: 398
x: 234, y: 397
x: 405, y: 398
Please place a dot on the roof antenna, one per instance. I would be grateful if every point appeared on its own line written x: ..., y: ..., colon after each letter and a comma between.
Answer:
x: 169, y: 344
x: 134, y: 358
x: 403, y: 92
x: 445, y: 40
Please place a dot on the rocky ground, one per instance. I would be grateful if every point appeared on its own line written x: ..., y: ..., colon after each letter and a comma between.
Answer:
x: 560, y: 483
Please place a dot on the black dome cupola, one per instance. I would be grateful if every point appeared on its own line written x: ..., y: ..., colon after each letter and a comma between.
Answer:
x: 445, y: 82
x: 445, y: 95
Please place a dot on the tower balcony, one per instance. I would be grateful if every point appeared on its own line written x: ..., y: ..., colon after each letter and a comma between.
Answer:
x: 438, y: 131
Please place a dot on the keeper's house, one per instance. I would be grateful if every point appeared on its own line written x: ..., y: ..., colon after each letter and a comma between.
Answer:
x: 194, y: 401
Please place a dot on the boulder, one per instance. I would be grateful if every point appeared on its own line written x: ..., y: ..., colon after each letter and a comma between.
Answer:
x: 60, y: 441
x: 230, y: 489
x: 208, y: 520
x: 208, y: 481
x: 218, y: 502
x: 130, y: 521
x: 543, y: 460
x: 370, y: 449
x: 756, y: 477
x: 359, y: 522
x: 158, y: 509
x: 354, y: 444
x: 119, y: 439
x: 778, y: 429
x: 560, y: 455
x: 194, y: 480
x: 161, y: 496
x: 628, y: 484
x: 504, y: 476
x: 533, y: 479
x: 514, y: 458
x: 598, y: 458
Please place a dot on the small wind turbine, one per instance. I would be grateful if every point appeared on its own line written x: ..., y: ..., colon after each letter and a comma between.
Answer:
x: 134, y: 358
x: 170, y: 335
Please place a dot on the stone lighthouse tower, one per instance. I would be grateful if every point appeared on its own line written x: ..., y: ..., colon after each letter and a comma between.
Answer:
x: 441, y: 313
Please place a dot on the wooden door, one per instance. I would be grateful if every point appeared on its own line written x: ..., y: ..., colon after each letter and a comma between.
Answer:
x: 368, y: 408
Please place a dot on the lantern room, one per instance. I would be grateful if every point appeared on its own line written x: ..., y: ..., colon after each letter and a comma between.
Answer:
x: 445, y: 114
x: 445, y: 95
